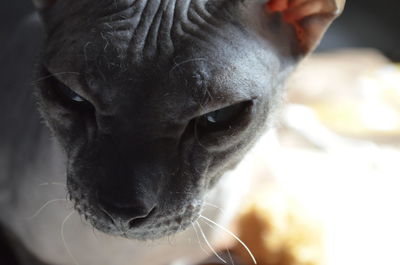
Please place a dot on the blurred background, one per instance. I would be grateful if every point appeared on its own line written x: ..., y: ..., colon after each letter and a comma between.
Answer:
x: 334, y: 159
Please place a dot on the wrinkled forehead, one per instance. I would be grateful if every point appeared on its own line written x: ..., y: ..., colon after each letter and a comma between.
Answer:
x: 140, y: 30
x: 162, y: 51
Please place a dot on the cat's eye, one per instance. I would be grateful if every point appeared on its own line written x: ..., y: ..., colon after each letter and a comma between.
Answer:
x: 70, y: 98
x: 70, y: 94
x: 65, y: 96
x: 224, y: 118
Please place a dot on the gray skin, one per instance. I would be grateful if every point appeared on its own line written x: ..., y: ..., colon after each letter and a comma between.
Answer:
x: 129, y: 90
x: 140, y: 154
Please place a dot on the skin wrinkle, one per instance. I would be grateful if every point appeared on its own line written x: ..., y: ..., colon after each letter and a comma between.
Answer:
x: 141, y: 32
x: 202, y: 11
x: 180, y: 18
x: 197, y: 22
x: 151, y: 40
x: 164, y: 36
x: 195, y: 28
x: 109, y: 12
x: 203, y: 23
x: 200, y: 16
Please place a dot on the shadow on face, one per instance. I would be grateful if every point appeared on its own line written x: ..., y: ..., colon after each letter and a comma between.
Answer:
x: 154, y: 100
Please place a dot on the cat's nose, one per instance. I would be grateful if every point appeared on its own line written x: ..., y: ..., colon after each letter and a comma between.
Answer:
x: 128, y: 215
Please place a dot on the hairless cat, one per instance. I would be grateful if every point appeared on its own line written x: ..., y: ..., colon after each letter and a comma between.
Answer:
x: 149, y: 105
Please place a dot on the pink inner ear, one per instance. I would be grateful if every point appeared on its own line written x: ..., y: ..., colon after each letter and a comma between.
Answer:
x: 309, y: 18
x: 291, y: 14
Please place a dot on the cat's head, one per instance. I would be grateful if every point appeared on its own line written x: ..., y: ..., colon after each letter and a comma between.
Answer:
x: 154, y: 100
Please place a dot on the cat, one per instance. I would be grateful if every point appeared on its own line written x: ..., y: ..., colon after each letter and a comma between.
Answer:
x: 150, y: 104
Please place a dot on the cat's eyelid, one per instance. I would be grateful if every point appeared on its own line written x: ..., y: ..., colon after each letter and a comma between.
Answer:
x: 229, y: 105
x: 75, y: 94
x: 71, y: 93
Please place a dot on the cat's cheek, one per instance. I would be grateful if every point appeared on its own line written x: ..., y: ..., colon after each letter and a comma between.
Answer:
x: 67, y: 131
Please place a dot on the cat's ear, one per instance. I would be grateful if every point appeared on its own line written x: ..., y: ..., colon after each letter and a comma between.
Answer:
x: 43, y: 4
x: 308, y: 18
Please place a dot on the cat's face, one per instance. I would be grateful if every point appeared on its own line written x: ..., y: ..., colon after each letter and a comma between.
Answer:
x: 154, y: 100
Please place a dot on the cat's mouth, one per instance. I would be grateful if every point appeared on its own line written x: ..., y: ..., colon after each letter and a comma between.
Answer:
x: 156, y: 225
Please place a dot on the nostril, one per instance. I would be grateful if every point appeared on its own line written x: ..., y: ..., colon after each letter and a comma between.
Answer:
x: 127, y: 215
x: 134, y: 222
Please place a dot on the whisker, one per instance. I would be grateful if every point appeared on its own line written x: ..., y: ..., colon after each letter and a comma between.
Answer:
x: 227, y: 249
x: 214, y: 228
x: 55, y: 74
x: 185, y: 62
x: 230, y: 256
x: 108, y: 214
x: 231, y: 234
x: 52, y: 183
x: 208, y: 243
x: 44, y: 206
x: 63, y: 238
x: 214, y: 206
x: 198, y: 239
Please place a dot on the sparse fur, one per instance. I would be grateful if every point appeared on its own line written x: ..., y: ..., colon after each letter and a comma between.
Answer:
x: 135, y: 158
